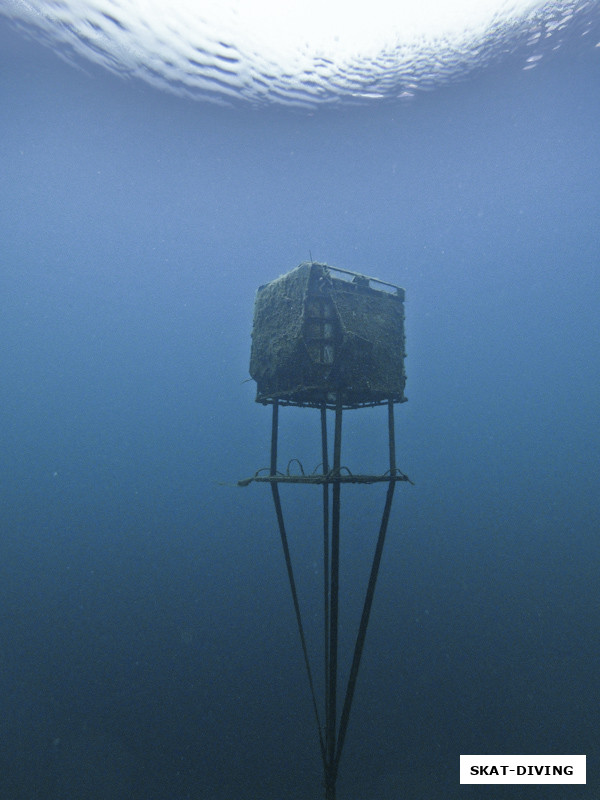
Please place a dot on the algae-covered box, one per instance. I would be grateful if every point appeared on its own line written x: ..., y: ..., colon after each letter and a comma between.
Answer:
x: 320, y: 332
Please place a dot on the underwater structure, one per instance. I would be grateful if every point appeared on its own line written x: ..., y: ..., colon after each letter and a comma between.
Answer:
x: 332, y: 340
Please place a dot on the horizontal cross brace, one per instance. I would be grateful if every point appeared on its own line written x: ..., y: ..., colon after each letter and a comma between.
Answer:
x: 322, y: 479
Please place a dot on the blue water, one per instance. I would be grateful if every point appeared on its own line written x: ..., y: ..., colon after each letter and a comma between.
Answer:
x: 149, y: 649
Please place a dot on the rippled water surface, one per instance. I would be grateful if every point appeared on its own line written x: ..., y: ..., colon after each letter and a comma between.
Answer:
x: 299, y: 53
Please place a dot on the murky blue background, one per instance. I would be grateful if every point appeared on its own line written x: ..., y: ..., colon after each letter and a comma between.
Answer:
x: 148, y: 645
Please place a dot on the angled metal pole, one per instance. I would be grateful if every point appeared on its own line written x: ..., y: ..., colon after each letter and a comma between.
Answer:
x: 290, y: 572
x: 364, y: 621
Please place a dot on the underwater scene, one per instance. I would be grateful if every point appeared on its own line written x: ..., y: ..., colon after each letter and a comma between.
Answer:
x: 430, y: 189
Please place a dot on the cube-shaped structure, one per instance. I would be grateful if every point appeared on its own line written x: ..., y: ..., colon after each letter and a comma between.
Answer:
x: 320, y: 332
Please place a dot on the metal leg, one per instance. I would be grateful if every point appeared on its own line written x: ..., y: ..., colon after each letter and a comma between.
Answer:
x: 274, y: 434
x: 331, y: 768
x: 326, y: 607
x: 290, y: 572
x: 364, y: 621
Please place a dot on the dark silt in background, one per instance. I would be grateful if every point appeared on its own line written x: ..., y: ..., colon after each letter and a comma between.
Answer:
x: 148, y: 645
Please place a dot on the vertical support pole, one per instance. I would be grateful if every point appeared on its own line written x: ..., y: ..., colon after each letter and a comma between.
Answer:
x: 274, y: 433
x: 331, y: 770
x: 392, y: 438
x: 325, y: 460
